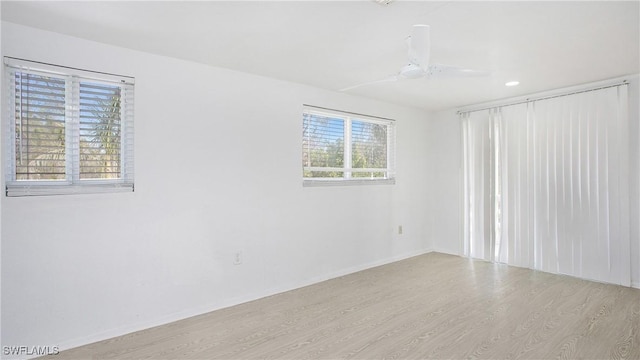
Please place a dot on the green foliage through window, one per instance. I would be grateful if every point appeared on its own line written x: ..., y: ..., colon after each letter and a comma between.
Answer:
x: 71, y: 130
x: 39, y: 127
x: 340, y: 146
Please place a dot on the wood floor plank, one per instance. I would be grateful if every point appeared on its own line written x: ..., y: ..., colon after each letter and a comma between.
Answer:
x: 431, y: 306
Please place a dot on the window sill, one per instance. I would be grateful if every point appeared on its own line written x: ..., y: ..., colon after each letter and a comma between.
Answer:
x: 343, y: 182
x: 19, y: 189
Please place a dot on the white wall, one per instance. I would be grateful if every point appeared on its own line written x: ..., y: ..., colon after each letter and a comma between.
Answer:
x: 445, y: 149
x: 218, y: 170
x: 444, y: 137
x: 1, y: 177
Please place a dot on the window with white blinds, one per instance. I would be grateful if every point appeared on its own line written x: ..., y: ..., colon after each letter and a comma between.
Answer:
x: 69, y: 130
x: 345, y: 148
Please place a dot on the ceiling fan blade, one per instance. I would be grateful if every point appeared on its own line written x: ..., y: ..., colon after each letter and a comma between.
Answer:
x: 445, y: 71
x: 419, y: 45
x: 387, y: 79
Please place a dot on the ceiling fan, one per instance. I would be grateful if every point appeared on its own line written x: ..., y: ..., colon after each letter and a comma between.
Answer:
x: 418, y: 66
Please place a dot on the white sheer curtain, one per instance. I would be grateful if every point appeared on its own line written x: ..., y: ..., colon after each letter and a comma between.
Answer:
x: 479, y: 184
x: 546, y: 185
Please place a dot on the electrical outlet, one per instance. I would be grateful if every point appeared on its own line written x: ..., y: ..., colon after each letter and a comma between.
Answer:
x: 237, y: 258
x: 399, y: 229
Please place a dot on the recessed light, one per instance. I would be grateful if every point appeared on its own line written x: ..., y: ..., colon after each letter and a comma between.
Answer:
x: 512, y: 83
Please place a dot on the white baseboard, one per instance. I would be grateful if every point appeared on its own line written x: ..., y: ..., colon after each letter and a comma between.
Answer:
x: 446, y: 251
x: 635, y: 284
x: 127, y: 329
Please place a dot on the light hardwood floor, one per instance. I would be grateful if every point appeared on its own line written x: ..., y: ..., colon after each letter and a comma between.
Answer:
x: 430, y: 306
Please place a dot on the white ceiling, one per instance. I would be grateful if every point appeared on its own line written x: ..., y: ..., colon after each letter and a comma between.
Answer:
x: 334, y: 44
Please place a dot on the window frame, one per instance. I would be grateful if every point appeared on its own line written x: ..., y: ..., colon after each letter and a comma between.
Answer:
x: 72, y: 183
x: 347, y: 169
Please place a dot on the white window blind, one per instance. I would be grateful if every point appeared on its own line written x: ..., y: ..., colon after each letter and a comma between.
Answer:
x: 343, y: 148
x: 68, y: 130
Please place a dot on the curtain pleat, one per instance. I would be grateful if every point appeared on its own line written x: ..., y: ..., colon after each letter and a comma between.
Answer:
x: 477, y: 181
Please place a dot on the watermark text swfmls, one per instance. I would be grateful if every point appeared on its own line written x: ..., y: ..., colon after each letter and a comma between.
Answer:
x: 21, y: 350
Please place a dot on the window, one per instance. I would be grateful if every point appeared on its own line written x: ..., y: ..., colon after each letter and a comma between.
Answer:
x: 69, y: 131
x: 344, y: 148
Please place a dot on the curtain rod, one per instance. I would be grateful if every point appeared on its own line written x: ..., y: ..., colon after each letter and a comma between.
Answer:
x: 348, y: 112
x: 528, y: 100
